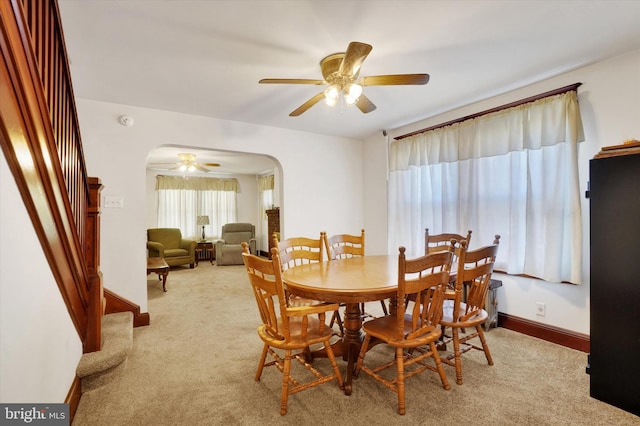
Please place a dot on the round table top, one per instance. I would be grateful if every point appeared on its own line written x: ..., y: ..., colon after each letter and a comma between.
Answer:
x: 353, y: 280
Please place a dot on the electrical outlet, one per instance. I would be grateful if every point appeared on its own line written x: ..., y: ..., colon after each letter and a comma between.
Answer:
x: 540, y: 309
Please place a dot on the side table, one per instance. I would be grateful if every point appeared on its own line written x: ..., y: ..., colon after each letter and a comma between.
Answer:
x: 160, y: 267
x: 205, y: 250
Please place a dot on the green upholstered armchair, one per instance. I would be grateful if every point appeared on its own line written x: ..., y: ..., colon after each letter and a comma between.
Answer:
x: 229, y: 248
x: 169, y: 244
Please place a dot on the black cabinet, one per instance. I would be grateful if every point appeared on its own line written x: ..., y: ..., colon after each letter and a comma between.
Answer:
x: 614, y: 361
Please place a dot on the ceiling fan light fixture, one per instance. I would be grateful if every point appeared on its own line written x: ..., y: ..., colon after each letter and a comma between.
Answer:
x: 350, y: 100
x: 331, y: 101
x: 351, y: 93
x: 340, y: 71
x: 331, y: 94
x: 353, y: 90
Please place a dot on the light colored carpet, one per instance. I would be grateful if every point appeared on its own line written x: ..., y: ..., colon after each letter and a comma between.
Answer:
x: 195, y: 363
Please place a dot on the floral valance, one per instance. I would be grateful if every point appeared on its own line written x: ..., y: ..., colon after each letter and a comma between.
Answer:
x: 196, y: 183
x: 265, y: 183
x: 545, y: 122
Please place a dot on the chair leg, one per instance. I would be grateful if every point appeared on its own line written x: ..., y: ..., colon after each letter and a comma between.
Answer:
x: 334, y: 364
x: 336, y: 318
x: 457, y: 353
x: 442, y: 345
x: 439, y: 366
x: 384, y: 308
x: 485, y: 347
x: 263, y: 358
x: 285, y: 382
x: 363, y: 351
x: 400, y: 380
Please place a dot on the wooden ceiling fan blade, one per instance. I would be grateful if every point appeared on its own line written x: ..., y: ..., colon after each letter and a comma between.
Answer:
x: 364, y: 104
x: 305, y: 106
x: 354, y: 57
x: 394, y: 80
x: 211, y: 164
x: 290, y: 81
x: 199, y: 167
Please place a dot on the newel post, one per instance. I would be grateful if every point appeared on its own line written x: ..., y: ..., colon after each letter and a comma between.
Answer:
x: 96, y: 302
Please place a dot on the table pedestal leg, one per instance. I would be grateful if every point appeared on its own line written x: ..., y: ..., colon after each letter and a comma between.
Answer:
x: 351, y: 342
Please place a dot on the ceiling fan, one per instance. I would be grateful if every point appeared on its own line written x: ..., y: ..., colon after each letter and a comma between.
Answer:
x: 340, y: 71
x: 186, y: 163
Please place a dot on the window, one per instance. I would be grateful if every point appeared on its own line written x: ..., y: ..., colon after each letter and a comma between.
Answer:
x: 512, y: 172
x: 182, y: 200
x: 265, y: 191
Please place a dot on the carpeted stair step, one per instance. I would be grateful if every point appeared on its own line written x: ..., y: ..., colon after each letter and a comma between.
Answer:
x: 95, y: 369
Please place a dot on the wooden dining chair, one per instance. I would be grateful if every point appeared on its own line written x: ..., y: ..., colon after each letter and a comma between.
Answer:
x: 297, y: 251
x: 343, y: 246
x: 474, y: 270
x: 438, y: 242
x: 287, y: 329
x: 414, y: 329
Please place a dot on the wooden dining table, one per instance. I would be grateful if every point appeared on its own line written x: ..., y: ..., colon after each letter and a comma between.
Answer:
x: 350, y: 281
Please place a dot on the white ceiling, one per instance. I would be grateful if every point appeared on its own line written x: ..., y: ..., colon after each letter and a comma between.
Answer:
x: 206, y: 57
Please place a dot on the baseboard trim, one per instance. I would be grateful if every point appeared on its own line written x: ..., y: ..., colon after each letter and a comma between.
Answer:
x: 73, y: 397
x: 546, y: 332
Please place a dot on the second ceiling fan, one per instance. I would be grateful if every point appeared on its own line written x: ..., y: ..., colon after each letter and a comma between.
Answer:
x: 340, y: 72
x: 186, y: 163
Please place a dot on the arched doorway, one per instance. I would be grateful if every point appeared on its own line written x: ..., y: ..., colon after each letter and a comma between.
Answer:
x: 246, y: 167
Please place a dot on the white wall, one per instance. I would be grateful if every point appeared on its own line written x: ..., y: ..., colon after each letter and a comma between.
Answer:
x: 609, y: 103
x: 117, y: 155
x: 39, y: 346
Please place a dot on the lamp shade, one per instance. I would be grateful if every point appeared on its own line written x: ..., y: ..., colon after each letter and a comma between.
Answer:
x: 203, y: 220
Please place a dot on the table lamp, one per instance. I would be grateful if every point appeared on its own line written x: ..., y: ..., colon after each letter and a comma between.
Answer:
x: 203, y: 220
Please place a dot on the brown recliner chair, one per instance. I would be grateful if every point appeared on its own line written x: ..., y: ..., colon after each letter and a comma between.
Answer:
x: 168, y: 244
x: 229, y: 248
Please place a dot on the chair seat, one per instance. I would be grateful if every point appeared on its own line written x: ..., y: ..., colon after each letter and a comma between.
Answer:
x: 384, y: 327
x: 296, y: 341
x: 447, y: 316
x: 175, y: 252
x: 302, y: 301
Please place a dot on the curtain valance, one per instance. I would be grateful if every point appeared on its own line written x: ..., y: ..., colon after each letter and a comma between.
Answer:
x: 265, y: 183
x: 545, y: 122
x: 196, y: 183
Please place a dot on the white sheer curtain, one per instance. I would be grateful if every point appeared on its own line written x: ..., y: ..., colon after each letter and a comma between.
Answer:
x: 181, y: 201
x: 513, y: 173
x: 265, y: 200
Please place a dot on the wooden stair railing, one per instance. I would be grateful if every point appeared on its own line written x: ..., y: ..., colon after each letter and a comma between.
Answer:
x: 41, y: 142
x: 40, y: 139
